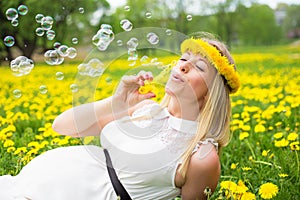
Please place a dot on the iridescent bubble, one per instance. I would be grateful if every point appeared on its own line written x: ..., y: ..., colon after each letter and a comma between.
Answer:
x: 9, y: 41
x: 144, y: 59
x: 132, y: 43
x: 148, y: 15
x: 11, y: 13
x: 22, y: 9
x: 126, y: 25
x: 168, y: 32
x: 127, y: 8
x: 63, y: 50
x: 74, y: 40
x: 132, y: 55
x: 103, y: 37
x: 17, y: 93
x: 59, y: 76
x: 39, y: 31
x: 189, y: 17
x: 56, y: 45
x: 71, y: 52
x: 39, y: 17
x: 52, y: 57
x: 21, y: 66
x: 74, y: 87
x: 81, y: 10
x: 50, y: 34
x: 46, y: 22
x: 43, y: 89
x: 152, y: 38
x: 119, y: 43
x: 14, y: 22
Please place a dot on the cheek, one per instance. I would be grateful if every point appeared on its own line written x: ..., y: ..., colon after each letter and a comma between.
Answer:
x: 200, y: 87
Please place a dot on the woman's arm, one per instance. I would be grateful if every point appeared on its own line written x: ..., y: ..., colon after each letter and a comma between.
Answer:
x: 89, y: 119
x: 203, y: 172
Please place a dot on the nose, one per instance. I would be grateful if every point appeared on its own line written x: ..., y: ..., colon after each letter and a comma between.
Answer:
x: 184, y: 67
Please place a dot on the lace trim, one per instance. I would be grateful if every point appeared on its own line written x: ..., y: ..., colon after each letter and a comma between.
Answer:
x: 206, y: 141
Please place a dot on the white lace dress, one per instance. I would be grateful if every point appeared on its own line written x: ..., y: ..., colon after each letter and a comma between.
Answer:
x: 145, y: 154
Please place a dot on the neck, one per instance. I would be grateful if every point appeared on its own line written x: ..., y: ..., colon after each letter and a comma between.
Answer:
x: 184, y: 109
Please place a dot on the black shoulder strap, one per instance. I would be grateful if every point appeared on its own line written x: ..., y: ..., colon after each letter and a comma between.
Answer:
x: 118, y: 187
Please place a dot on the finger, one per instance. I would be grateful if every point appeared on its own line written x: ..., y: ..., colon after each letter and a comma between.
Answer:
x: 147, y: 96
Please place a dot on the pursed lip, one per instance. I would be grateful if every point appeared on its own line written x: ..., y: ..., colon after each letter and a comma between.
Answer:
x: 177, y: 77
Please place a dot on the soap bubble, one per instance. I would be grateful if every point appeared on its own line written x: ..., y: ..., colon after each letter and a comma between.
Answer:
x: 126, y: 25
x: 9, y: 41
x: 168, y: 32
x: 144, y: 59
x: 59, y: 76
x: 46, y: 22
x: 148, y: 15
x: 63, y: 50
x: 81, y: 10
x: 108, y: 80
x: 74, y: 88
x: 21, y: 66
x: 74, y: 40
x: 39, y: 31
x: 50, y: 34
x: 132, y: 43
x: 22, y: 9
x: 14, y: 22
x: 56, y: 45
x: 93, y: 68
x: 103, y: 37
x: 43, y: 89
x: 71, y: 52
x: 17, y: 93
x: 11, y: 13
x: 152, y: 38
x: 39, y: 17
x: 52, y: 57
x: 127, y: 8
x: 120, y: 43
x: 132, y: 55
x: 189, y: 17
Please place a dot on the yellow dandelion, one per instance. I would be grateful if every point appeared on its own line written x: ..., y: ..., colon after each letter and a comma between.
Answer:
x: 243, y: 135
x: 228, y: 185
x: 278, y: 135
x: 283, y: 175
x: 10, y: 149
x: 259, y: 128
x: 248, y: 196
x: 295, y: 146
x: 8, y: 143
x: 265, y: 153
x: 281, y: 143
x: 233, y: 165
x: 268, y: 190
x: 246, y: 168
x: 292, y: 136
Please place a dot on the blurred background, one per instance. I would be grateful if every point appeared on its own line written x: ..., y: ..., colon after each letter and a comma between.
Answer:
x: 236, y: 22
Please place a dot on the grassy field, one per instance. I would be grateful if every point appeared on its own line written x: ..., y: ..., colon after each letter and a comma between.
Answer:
x: 261, y: 162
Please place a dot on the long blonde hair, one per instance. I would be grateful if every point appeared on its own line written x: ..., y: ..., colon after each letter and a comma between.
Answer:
x: 214, y: 117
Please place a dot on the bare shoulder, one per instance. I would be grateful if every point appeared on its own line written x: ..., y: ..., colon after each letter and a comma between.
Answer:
x: 203, y: 172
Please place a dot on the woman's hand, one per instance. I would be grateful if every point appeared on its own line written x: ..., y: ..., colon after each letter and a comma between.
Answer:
x: 127, y: 92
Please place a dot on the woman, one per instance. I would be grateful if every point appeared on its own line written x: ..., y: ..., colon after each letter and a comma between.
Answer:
x: 158, y: 151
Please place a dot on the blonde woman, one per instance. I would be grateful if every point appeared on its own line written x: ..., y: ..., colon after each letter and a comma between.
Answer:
x: 148, y: 150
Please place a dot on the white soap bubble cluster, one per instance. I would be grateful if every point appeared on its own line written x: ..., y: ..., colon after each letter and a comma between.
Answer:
x: 46, y: 23
x: 131, y: 46
x: 21, y: 66
x: 57, y: 55
x: 12, y: 14
x: 93, y: 68
x: 103, y: 37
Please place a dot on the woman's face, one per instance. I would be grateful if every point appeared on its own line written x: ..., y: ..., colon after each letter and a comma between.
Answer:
x: 190, y: 78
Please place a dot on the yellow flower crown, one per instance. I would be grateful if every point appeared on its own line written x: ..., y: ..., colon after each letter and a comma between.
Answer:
x: 213, y: 55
